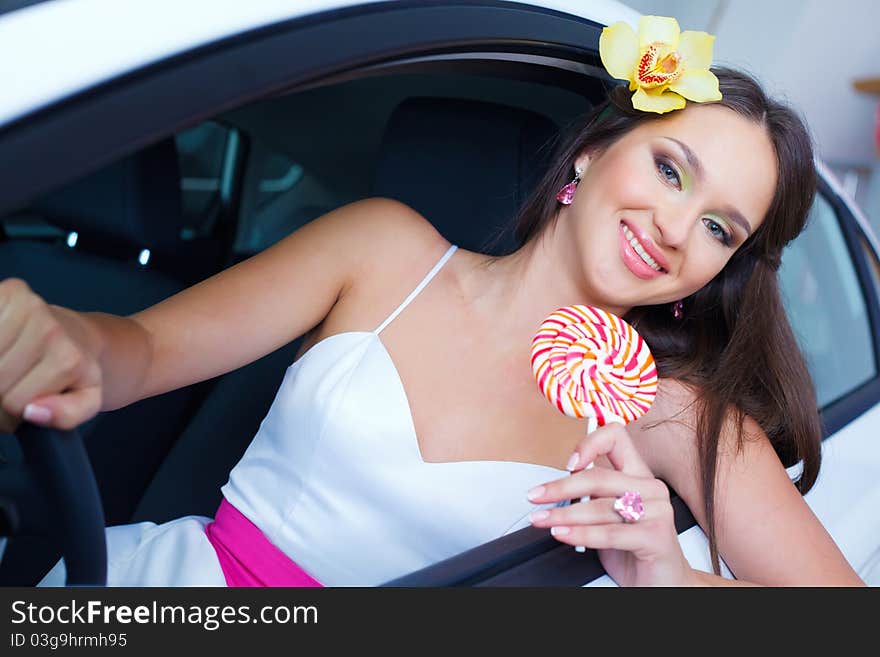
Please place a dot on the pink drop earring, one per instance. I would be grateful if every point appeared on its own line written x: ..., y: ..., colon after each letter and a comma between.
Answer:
x: 678, y: 309
x: 566, y: 194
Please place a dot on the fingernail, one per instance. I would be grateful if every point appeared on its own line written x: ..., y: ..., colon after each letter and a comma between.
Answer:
x: 560, y: 531
x: 573, y: 461
x: 536, y: 516
x: 536, y: 492
x: 37, y: 414
x: 588, y: 465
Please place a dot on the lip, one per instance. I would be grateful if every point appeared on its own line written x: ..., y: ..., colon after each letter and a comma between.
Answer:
x: 633, y: 260
x: 648, y: 244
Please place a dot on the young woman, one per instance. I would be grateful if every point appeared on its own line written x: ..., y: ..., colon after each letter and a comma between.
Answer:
x: 410, y: 427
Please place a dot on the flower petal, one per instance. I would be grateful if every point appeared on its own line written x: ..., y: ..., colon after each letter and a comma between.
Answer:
x: 695, y: 49
x: 658, y: 28
x: 698, y: 85
x: 653, y: 102
x: 619, y: 50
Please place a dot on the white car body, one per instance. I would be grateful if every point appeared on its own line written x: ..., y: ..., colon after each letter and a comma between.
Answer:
x: 139, y: 33
x: 55, y: 50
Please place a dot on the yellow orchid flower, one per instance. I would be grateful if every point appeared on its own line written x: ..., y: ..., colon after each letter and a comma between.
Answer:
x: 663, y: 65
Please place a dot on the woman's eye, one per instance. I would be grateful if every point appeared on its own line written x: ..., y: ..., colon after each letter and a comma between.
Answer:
x: 668, y: 173
x: 717, y: 231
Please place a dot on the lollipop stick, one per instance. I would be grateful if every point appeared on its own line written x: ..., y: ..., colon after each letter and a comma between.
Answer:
x: 592, y: 425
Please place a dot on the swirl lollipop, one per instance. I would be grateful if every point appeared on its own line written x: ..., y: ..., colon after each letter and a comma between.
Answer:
x: 591, y: 364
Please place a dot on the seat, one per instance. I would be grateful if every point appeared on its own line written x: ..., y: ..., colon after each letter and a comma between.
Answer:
x: 491, y: 155
x: 115, y: 213
x: 465, y: 165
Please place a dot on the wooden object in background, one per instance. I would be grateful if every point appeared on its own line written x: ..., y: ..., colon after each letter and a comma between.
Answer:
x: 868, y: 85
x: 872, y: 86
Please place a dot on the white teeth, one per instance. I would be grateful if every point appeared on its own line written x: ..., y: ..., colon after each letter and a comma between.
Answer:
x: 638, y: 248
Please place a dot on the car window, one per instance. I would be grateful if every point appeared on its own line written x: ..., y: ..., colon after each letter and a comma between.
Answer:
x: 280, y: 195
x: 826, y: 306
x: 316, y: 149
x: 202, y: 153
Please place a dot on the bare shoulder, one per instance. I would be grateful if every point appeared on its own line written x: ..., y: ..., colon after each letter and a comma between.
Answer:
x: 371, y: 243
x: 392, y: 231
x: 388, y: 244
x: 371, y: 228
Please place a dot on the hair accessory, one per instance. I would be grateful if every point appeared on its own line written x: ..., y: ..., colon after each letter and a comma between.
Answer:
x: 662, y: 65
x: 678, y: 309
x: 629, y: 506
x: 566, y: 194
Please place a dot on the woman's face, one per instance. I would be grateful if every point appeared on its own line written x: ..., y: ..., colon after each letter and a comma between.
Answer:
x: 660, y: 212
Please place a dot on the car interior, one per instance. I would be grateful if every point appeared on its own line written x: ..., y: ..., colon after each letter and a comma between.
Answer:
x: 215, y: 193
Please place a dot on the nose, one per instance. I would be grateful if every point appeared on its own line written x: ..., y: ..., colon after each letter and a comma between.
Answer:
x: 673, y: 226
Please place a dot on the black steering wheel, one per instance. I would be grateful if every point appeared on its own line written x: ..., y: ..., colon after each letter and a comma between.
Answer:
x: 53, y: 493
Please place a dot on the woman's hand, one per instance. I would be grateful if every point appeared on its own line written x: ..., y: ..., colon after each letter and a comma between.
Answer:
x: 47, y: 374
x: 645, y: 552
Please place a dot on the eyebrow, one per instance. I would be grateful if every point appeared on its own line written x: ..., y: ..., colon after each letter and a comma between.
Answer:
x: 699, y: 170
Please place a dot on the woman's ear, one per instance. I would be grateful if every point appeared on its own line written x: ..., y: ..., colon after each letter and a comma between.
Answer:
x: 582, y: 162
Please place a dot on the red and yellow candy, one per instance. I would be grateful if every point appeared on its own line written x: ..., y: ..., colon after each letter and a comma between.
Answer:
x: 590, y: 363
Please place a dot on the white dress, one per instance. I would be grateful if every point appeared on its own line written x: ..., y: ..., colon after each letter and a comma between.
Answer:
x: 334, y: 478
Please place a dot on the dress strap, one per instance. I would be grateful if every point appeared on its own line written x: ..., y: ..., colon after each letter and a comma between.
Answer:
x: 419, y: 287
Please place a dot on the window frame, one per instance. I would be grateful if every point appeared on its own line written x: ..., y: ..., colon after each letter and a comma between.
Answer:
x: 76, y: 136
x: 836, y: 415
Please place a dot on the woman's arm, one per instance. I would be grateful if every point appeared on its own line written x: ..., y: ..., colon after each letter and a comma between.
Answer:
x: 264, y: 302
x: 767, y: 533
x: 69, y: 365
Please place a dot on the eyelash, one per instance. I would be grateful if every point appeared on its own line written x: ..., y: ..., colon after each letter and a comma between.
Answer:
x: 660, y: 162
x: 664, y: 163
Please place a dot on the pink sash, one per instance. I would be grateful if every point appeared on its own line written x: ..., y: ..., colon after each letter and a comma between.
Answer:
x: 246, y: 556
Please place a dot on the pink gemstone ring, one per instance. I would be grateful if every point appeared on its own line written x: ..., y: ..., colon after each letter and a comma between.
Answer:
x: 629, y: 506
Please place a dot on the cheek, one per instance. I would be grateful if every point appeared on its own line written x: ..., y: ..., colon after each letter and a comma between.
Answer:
x: 627, y: 182
x: 706, y: 264
x: 636, y: 184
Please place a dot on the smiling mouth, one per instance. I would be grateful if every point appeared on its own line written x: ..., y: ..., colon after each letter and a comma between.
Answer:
x: 640, y: 250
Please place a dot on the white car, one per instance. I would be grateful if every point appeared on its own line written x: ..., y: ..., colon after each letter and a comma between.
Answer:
x: 146, y: 145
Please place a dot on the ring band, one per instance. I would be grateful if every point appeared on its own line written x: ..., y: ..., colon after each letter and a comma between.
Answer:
x: 629, y: 506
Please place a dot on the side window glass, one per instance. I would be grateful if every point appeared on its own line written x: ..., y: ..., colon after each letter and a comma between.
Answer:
x: 202, y: 154
x: 279, y: 174
x: 826, y: 307
x: 280, y: 196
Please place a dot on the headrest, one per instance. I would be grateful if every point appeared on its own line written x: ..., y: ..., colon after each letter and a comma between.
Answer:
x: 465, y: 165
x: 136, y: 201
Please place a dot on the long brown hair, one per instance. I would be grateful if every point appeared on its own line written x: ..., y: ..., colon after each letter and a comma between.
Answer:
x: 734, y: 345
